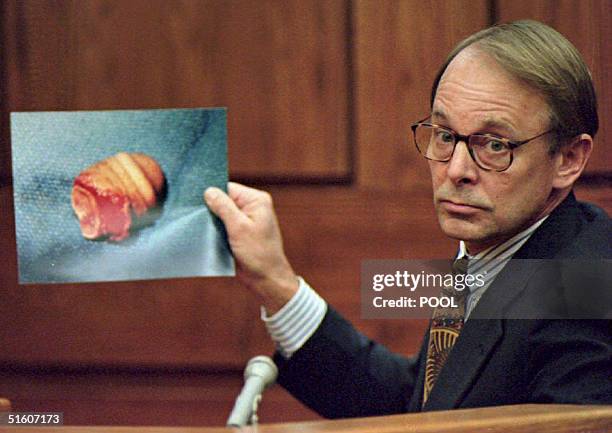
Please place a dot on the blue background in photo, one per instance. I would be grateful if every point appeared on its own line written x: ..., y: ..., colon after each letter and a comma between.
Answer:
x: 51, y: 148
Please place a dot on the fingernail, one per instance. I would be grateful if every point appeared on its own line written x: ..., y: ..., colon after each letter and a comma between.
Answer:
x: 211, y: 193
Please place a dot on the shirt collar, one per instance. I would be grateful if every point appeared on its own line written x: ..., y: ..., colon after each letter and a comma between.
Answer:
x: 463, y: 252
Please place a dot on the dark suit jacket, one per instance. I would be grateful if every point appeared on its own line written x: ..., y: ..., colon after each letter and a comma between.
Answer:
x: 495, y: 361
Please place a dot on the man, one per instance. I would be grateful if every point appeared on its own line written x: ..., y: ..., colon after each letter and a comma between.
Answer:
x: 510, y: 131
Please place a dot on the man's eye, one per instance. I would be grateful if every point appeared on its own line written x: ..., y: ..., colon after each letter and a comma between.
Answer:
x: 496, y: 146
x: 444, y: 136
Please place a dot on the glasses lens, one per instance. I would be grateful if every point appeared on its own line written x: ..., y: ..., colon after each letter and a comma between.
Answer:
x: 434, y: 143
x: 491, y: 152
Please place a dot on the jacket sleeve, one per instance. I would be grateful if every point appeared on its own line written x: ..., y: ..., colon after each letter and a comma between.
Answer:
x: 341, y: 373
x: 571, y: 361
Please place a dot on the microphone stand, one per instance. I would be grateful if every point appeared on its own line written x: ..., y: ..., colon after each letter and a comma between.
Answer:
x: 259, y: 374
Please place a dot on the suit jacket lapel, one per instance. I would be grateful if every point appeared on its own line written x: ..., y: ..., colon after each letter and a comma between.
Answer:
x: 415, y: 402
x: 478, y: 338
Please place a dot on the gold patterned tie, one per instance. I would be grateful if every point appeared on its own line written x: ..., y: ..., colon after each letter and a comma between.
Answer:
x: 446, y: 324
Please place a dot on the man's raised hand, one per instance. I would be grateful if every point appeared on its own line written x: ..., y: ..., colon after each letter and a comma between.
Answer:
x: 256, y: 242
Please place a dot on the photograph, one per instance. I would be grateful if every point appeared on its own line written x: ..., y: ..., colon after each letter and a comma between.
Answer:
x: 117, y: 195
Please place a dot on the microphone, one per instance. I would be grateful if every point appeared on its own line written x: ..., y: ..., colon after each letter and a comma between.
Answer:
x: 259, y: 374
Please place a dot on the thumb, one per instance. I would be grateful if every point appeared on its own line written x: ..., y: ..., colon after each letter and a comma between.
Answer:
x: 222, y: 206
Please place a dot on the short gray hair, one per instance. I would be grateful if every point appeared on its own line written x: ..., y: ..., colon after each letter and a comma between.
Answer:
x: 546, y: 61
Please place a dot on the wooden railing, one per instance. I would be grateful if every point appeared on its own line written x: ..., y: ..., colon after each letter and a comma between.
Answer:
x: 530, y: 418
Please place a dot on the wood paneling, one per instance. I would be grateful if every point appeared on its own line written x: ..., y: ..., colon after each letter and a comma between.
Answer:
x: 281, y: 68
x: 156, y: 397
x: 5, y: 152
x: 310, y: 86
x: 588, y: 25
x: 399, y: 46
x: 601, y: 195
x: 524, y: 418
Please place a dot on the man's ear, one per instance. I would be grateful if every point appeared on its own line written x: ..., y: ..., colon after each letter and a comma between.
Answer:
x: 571, y: 160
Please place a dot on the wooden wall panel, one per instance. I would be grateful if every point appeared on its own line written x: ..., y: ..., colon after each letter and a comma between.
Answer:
x: 588, y: 25
x: 5, y: 154
x: 281, y: 68
x: 399, y: 46
x: 107, y: 397
x: 150, y: 352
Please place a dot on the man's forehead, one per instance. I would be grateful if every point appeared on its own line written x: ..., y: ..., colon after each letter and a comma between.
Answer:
x: 487, y: 121
x: 497, y: 101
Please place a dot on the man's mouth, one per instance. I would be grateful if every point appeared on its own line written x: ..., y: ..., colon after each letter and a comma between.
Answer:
x: 459, y: 207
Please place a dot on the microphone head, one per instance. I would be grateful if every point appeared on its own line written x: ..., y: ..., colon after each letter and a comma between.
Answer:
x: 261, y: 366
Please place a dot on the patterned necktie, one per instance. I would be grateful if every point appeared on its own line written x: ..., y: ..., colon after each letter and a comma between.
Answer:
x: 446, y: 324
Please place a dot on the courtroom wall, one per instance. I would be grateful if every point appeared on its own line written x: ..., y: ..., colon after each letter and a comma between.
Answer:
x: 320, y: 96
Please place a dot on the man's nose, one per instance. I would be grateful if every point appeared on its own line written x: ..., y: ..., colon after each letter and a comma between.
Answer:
x: 461, y: 167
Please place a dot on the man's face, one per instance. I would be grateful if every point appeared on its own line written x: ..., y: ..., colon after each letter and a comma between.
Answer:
x: 486, y: 207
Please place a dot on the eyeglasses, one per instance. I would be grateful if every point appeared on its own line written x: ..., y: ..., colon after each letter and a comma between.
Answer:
x: 488, y: 151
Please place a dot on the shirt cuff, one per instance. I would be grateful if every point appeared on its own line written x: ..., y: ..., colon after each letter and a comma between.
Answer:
x: 292, y: 325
